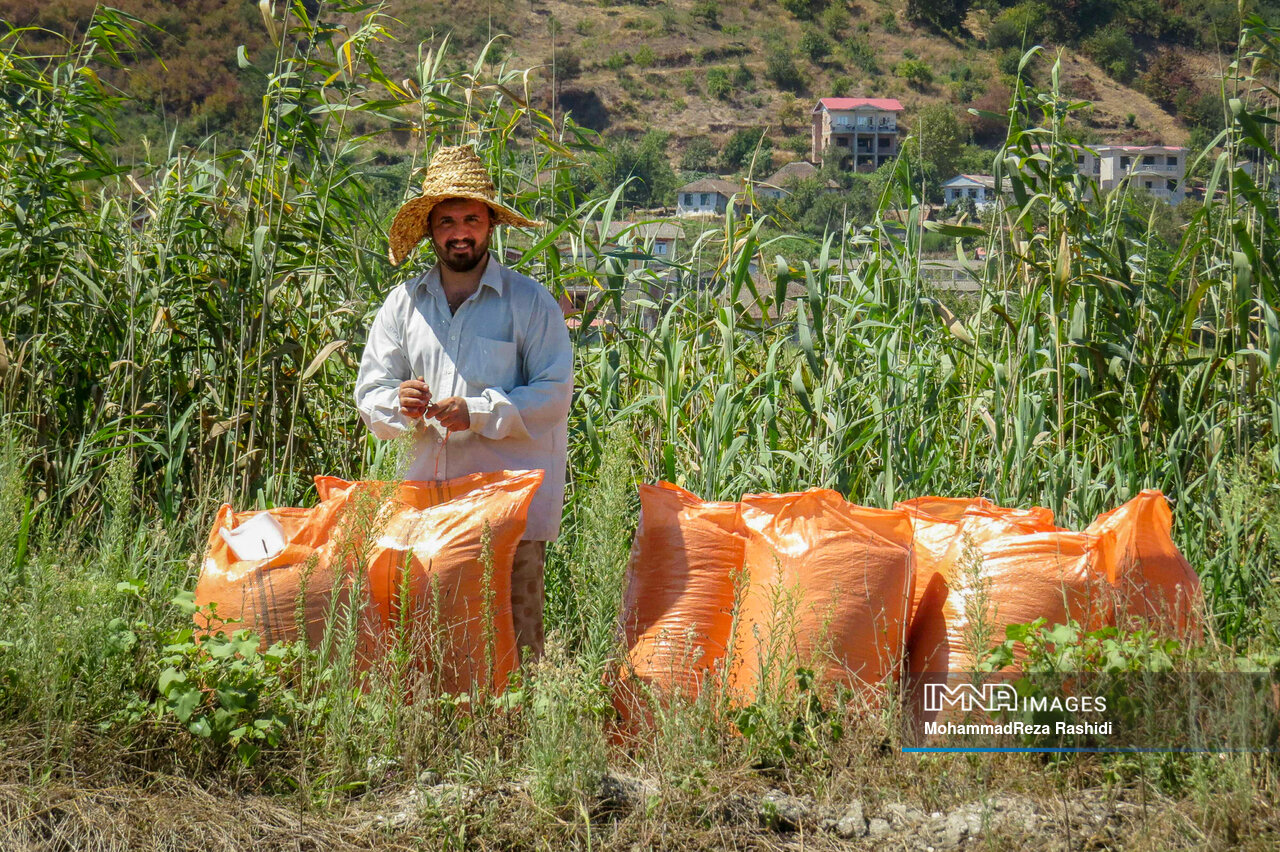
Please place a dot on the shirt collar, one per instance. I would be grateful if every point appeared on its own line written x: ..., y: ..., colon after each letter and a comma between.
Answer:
x: 492, y: 278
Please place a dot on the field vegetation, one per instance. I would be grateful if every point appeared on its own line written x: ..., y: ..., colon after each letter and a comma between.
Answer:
x: 184, y: 330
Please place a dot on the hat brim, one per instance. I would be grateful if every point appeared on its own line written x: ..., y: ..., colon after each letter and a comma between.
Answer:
x: 411, y: 222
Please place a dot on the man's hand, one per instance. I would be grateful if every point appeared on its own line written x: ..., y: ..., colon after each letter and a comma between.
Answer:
x: 452, y: 413
x: 415, y: 398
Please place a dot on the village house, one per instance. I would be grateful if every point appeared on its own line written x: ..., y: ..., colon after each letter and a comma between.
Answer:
x: 707, y: 197
x: 862, y: 132
x: 981, y: 189
x: 779, y: 183
x: 1157, y: 169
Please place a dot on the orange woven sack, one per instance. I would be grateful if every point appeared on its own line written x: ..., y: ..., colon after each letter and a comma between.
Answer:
x: 1155, y: 585
x: 1023, y: 573
x: 429, y: 546
x: 267, y: 595
x: 936, y: 526
x: 677, y: 608
x: 829, y: 587
x: 935, y: 521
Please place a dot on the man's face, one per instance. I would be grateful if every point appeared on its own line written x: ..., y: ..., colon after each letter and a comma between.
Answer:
x: 460, y: 231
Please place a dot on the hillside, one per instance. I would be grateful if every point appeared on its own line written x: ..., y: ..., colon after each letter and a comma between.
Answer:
x: 702, y: 68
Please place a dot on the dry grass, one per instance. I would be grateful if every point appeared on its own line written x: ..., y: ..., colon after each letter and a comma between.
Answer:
x: 1009, y: 802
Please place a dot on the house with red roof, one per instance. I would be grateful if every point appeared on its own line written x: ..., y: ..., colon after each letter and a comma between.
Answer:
x: 862, y: 132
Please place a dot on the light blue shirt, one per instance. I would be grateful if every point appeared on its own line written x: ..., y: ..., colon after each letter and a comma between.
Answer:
x: 506, y: 352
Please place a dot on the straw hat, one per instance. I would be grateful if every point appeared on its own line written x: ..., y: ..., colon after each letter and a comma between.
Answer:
x: 455, y: 172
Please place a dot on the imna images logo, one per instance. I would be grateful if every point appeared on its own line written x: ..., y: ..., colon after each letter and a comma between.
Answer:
x: 967, y: 697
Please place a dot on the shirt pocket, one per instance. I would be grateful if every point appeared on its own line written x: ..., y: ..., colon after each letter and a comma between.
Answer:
x: 490, y: 364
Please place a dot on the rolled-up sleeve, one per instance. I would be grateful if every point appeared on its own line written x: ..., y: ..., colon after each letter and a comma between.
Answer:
x: 383, y: 366
x: 536, y: 407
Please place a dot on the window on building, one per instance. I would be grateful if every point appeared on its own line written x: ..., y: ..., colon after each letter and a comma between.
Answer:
x: 973, y: 193
x: 1171, y: 185
x: 1124, y: 162
x: 1079, y: 159
x: 1148, y: 160
x: 886, y: 141
x: 704, y: 199
x: 1172, y: 160
x: 1148, y: 184
x: 659, y: 247
x: 686, y: 199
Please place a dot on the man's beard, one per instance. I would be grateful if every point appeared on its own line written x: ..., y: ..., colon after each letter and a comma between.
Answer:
x: 464, y: 257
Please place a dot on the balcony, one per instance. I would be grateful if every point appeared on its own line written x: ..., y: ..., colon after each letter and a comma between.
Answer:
x: 864, y: 125
x: 1152, y: 168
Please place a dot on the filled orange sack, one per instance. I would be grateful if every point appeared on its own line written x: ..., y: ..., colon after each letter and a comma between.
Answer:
x: 1155, y: 585
x: 935, y: 521
x: 268, y: 593
x: 829, y: 588
x: 1024, y: 573
x: 937, y: 524
x: 429, y: 544
x: 677, y: 608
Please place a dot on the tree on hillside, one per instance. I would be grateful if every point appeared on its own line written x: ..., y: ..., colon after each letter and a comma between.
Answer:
x: 646, y: 161
x: 698, y: 155
x: 935, y: 147
x: 741, y: 147
x: 940, y: 137
x: 943, y: 14
x: 804, y: 9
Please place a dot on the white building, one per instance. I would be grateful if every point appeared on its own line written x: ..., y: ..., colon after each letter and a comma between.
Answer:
x: 980, y: 188
x: 707, y: 197
x: 1157, y: 169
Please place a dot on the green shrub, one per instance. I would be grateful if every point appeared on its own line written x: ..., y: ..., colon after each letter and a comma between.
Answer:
x: 1024, y: 23
x: 1113, y: 49
x: 780, y: 67
x: 718, y: 85
x: 708, y: 12
x: 861, y: 54
x: 805, y: 10
x: 834, y: 19
x: 222, y: 689
x: 915, y: 71
x: 814, y: 45
x: 644, y: 57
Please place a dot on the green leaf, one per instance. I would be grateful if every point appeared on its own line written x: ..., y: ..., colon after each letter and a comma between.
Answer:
x: 247, y: 752
x: 184, y: 701
x: 186, y: 601
x: 168, y: 679
x: 1062, y: 634
x: 954, y: 230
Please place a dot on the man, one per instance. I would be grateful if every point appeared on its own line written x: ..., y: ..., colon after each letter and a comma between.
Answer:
x: 476, y: 359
